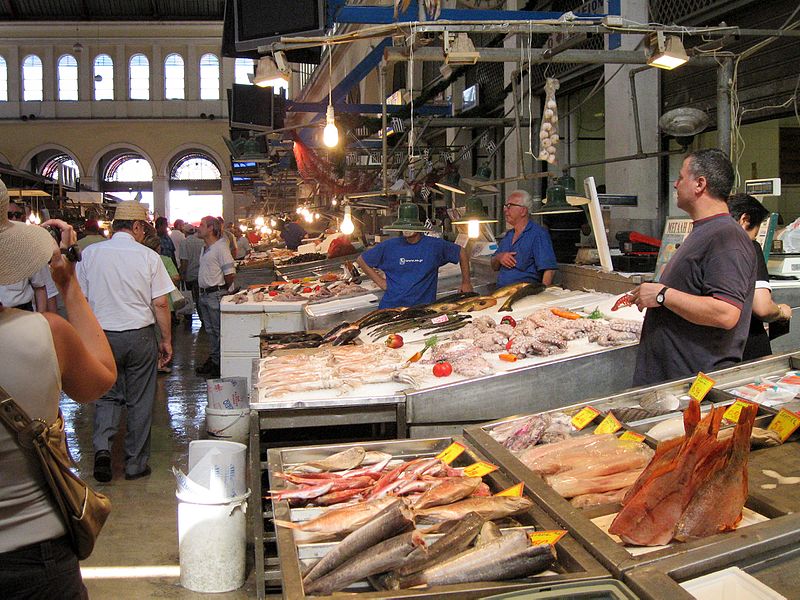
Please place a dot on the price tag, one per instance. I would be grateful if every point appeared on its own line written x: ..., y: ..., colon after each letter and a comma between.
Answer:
x: 701, y: 386
x: 514, y: 490
x: 785, y: 423
x: 440, y: 319
x: 735, y: 410
x: 584, y: 416
x: 608, y: 425
x: 632, y: 436
x: 452, y: 452
x: 479, y: 469
x: 546, y: 537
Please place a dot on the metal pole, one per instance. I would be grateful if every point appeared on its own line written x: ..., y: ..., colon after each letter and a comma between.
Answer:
x: 384, y: 141
x: 520, y: 158
x: 632, y: 75
x: 724, y: 82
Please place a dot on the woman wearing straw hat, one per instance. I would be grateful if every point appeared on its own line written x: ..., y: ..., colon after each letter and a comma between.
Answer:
x: 36, y: 558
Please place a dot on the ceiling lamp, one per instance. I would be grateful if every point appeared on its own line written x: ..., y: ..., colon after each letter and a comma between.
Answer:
x: 330, y: 135
x: 267, y: 71
x: 347, y: 227
x: 558, y: 196
x: 666, y: 51
x: 450, y: 183
x: 459, y: 49
x: 259, y: 222
x: 480, y: 179
x: 473, y: 217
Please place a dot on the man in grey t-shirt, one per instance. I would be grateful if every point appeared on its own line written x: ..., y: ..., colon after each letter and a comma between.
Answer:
x: 699, y: 312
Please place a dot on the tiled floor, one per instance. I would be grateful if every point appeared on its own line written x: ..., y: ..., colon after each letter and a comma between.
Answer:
x: 142, y: 530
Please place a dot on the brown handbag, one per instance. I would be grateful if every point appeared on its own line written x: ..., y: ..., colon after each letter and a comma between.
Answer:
x: 84, y: 510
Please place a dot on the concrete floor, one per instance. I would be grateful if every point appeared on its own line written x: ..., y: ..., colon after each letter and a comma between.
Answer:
x: 142, y: 530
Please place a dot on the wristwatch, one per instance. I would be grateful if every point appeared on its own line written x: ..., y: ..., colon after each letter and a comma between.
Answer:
x: 662, y: 296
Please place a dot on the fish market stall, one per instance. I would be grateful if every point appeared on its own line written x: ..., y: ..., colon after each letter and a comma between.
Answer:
x: 609, y: 489
x: 310, y: 265
x: 388, y: 539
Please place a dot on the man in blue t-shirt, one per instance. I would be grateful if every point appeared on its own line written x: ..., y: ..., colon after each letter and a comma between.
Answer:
x: 293, y: 233
x: 410, y: 266
x: 525, y: 253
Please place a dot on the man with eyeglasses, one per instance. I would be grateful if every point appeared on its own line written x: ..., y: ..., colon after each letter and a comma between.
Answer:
x: 525, y: 253
x: 25, y: 293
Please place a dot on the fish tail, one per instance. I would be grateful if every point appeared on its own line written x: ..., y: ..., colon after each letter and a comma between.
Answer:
x: 287, y: 524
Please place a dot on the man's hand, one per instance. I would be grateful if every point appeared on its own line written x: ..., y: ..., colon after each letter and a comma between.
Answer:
x: 62, y: 270
x: 644, y: 296
x: 466, y: 287
x: 164, y: 353
x: 507, y: 259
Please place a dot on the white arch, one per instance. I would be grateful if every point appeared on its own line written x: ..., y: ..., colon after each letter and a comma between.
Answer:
x: 183, y: 148
x: 123, y: 147
x: 25, y: 163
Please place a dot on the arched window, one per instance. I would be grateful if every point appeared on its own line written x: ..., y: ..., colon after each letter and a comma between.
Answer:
x: 3, y: 80
x: 194, y: 166
x: 173, y: 77
x: 52, y: 166
x: 139, y: 77
x: 128, y: 176
x: 32, y: 78
x: 209, y: 77
x: 67, y: 78
x: 241, y: 69
x: 195, y: 187
x: 103, y: 77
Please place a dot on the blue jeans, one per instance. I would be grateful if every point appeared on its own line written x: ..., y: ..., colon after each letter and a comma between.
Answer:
x: 46, y: 569
x: 208, y: 310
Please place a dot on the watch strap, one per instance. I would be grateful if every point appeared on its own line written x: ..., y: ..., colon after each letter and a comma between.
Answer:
x: 661, y: 297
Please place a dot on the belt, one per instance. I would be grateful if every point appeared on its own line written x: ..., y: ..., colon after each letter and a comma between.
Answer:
x: 213, y: 288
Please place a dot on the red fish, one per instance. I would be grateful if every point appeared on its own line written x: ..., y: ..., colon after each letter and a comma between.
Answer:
x: 626, y: 300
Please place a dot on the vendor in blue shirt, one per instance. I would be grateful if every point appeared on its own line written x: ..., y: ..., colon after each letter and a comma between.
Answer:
x: 526, y: 252
x: 293, y: 233
x: 410, y: 263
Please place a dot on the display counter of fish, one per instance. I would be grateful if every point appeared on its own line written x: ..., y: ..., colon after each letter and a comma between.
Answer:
x: 694, y: 486
x: 415, y: 522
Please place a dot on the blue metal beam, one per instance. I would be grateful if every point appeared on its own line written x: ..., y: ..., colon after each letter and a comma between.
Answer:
x: 383, y: 15
x: 361, y: 70
x: 375, y: 109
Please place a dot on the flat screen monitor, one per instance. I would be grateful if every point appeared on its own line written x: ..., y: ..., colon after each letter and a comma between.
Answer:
x: 251, y: 107
x: 262, y: 22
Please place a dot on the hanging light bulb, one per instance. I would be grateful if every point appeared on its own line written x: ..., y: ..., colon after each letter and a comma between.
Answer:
x: 259, y: 221
x: 334, y: 202
x: 299, y: 210
x: 269, y: 230
x: 330, y: 135
x: 242, y: 228
x: 473, y: 228
x: 347, y: 227
x: 272, y: 223
x: 316, y: 216
x: 264, y: 229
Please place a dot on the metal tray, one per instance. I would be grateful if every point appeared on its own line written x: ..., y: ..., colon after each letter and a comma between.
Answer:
x: 574, y: 562
x: 774, y: 561
x: 612, y: 555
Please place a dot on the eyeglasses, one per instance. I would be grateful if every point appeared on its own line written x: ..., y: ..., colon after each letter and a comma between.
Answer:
x: 16, y: 215
x: 509, y: 204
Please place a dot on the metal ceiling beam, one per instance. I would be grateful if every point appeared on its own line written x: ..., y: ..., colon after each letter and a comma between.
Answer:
x: 366, y: 109
x: 9, y: 7
x: 384, y: 15
x: 617, y: 57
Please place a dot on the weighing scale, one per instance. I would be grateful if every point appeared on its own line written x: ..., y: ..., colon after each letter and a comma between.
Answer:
x: 784, y: 264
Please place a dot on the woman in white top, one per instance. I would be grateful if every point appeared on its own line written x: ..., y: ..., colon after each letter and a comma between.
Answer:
x: 41, y: 355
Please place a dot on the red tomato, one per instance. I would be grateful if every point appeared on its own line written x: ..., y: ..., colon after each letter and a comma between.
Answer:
x: 394, y: 341
x: 273, y: 293
x: 295, y: 281
x: 442, y: 369
x: 307, y: 290
x: 508, y: 319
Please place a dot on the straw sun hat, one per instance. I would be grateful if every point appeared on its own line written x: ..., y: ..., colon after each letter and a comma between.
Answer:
x: 24, y: 249
x: 131, y: 210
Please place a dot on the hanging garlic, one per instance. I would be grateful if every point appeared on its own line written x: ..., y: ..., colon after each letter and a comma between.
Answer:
x: 548, y: 133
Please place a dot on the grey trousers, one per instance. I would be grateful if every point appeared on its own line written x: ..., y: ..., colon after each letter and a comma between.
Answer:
x: 136, y: 354
x: 208, y: 309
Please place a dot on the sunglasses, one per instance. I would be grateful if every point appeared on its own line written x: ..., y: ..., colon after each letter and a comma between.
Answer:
x: 16, y: 216
x: 509, y: 204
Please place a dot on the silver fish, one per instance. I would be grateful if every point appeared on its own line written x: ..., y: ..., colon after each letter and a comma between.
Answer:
x: 341, y: 461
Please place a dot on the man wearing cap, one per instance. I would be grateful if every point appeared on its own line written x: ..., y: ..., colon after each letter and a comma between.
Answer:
x: 526, y: 252
x: 215, y: 276
x: 29, y: 293
x: 93, y: 235
x: 410, y: 263
x: 293, y: 233
x: 122, y: 279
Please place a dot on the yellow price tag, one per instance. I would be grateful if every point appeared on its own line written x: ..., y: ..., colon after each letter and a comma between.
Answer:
x: 785, y: 423
x: 735, y: 410
x: 479, y: 469
x: 584, y: 416
x: 452, y: 452
x: 608, y: 425
x: 632, y: 436
x: 514, y: 490
x: 701, y: 386
x: 546, y: 537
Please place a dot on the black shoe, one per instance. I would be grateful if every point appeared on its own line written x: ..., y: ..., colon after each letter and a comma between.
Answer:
x: 144, y: 473
x: 102, y: 466
x: 205, y: 368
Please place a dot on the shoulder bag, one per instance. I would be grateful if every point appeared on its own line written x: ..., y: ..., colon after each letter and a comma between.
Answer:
x: 84, y: 510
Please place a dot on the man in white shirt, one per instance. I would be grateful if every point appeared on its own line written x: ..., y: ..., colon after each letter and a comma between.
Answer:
x: 127, y: 286
x: 191, y: 249
x: 214, y: 278
x: 242, y: 244
x: 177, y: 236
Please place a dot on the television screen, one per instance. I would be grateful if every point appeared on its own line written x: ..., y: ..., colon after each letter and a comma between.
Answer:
x: 261, y: 22
x: 251, y: 107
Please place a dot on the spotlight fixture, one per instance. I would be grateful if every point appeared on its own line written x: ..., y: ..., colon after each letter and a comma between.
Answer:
x: 459, y: 49
x: 268, y: 71
x: 666, y: 51
x: 473, y: 217
x: 561, y: 198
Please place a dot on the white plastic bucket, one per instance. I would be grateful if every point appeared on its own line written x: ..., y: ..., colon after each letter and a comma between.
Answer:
x: 229, y: 425
x: 212, y: 543
x: 227, y: 392
x: 219, y: 467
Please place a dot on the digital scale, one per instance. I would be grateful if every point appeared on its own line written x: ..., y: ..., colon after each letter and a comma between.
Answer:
x: 784, y: 264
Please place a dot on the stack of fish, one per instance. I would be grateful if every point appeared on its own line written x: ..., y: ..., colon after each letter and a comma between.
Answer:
x: 590, y: 469
x: 695, y: 485
x: 521, y: 434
